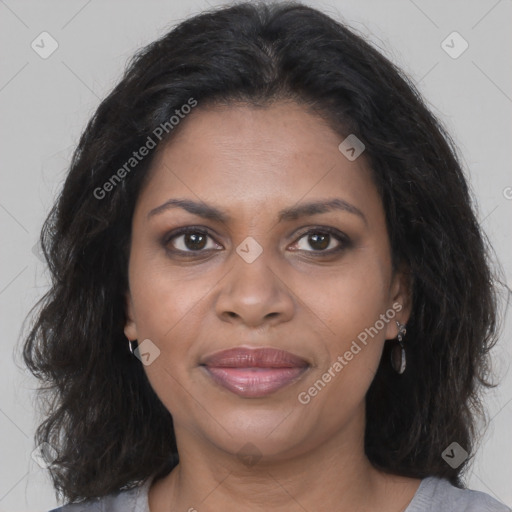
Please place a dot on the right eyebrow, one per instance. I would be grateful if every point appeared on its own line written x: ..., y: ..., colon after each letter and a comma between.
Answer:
x: 201, y: 209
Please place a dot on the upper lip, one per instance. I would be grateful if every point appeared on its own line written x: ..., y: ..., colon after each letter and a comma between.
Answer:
x: 243, y: 357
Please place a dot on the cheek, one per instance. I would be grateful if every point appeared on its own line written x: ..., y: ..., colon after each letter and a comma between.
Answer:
x: 161, y: 299
x: 350, y: 307
x: 167, y: 313
x: 349, y: 300
x: 353, y: 301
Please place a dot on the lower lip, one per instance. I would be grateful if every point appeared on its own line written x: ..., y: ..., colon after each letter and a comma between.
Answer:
x: 254, y: 382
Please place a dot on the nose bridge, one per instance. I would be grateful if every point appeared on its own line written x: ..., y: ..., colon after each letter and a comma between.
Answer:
x: 252, y: 291
x: 252, y: 270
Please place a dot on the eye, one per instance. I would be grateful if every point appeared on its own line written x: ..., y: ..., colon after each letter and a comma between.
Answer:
x: 318, y: 241
x: 190, y: 240
x: 322, y: 240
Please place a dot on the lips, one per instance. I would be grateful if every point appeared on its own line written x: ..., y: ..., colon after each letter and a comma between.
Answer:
x: 253, y: 373
x: 254, y: 357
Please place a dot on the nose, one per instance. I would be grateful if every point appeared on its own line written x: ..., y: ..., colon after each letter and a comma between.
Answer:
x: 254, y: 294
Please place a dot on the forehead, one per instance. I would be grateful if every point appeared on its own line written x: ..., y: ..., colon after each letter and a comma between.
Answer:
x: 282, y: 130
x: 241, y: 155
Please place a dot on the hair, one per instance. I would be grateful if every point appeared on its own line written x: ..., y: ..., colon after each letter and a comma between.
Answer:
x: 108, y: 427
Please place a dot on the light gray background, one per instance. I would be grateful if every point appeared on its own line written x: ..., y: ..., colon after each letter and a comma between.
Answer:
x: 45, y: 104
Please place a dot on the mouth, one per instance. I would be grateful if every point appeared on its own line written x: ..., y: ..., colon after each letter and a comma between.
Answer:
x: 254, y: 373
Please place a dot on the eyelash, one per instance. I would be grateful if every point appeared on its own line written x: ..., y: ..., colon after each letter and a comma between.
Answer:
x: 343, y: 240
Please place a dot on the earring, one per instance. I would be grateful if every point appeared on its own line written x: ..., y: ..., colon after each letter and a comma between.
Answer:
x: 132, y: 345
x: 398, y: 361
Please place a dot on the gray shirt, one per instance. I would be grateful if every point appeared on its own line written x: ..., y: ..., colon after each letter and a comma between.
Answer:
x: 433, y: 495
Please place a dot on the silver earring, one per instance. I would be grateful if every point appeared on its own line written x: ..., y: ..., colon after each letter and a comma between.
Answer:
x: 132, y: 345
x: 398, y: 361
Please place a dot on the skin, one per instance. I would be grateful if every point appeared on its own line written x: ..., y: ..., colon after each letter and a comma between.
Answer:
x: 251, y: 163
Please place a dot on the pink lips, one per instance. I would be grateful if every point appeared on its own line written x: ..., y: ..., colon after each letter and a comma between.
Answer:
x: 254, y: 373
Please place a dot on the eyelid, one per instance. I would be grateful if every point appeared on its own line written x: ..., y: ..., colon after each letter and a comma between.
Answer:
x: 186, y: 229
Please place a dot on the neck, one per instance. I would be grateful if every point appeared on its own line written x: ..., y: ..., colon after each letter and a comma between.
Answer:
x: 334, y: 476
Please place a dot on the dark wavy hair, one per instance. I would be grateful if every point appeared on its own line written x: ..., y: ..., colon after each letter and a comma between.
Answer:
x: 104, y: 420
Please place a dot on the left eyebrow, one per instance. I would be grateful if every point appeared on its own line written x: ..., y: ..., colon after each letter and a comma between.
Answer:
x: 317, y: 207
x: 287, y: 214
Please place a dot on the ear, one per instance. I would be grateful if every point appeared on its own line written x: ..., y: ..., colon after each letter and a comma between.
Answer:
x: 130, y: 327
x: 400, y: 301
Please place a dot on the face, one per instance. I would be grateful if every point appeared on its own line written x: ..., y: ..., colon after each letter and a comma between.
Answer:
x: 260, y: 266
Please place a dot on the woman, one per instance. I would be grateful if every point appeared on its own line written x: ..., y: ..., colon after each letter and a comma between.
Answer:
x: 270, y: 291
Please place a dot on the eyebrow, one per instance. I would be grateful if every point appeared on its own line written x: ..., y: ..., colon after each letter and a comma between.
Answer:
x: 292, y: 213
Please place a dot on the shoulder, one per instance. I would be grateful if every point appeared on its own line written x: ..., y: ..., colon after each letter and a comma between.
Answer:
x: 439, y: 495
x: 132, y: 500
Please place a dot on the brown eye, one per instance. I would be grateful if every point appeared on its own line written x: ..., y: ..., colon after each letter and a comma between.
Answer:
x: 319, y: 241
x: 191, y: 240
x: 194, y: 241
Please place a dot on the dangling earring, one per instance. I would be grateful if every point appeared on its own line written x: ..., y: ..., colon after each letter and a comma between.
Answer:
x: 132, y: 345
x: 398, y: 351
